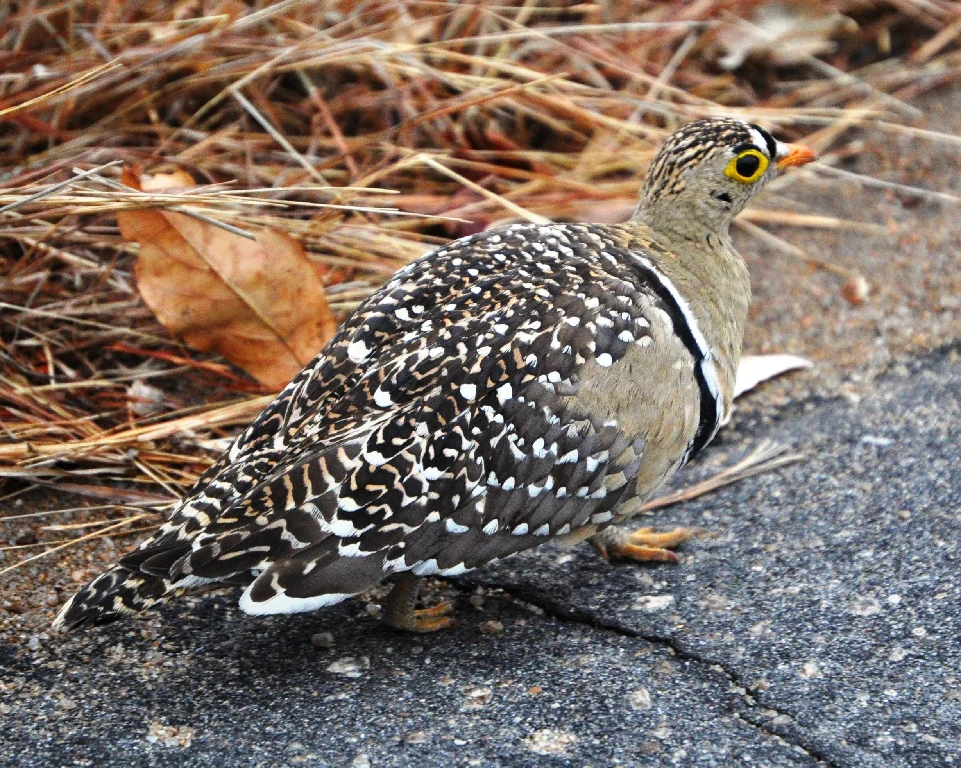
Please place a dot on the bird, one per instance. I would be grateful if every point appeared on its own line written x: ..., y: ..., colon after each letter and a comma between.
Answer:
x: 528, y: 383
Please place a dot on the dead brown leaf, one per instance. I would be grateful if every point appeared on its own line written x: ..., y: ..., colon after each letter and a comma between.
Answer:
x: 259, y: 303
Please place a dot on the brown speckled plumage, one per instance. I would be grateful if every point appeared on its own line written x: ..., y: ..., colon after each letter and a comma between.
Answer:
x: 522, y: 384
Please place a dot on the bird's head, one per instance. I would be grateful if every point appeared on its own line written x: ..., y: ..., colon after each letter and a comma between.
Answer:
x: 708, y: 171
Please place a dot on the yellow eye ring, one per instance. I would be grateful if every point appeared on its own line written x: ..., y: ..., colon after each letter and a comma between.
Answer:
x: 747, y: 167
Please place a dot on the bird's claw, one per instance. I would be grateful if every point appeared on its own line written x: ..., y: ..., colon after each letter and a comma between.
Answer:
x: 399, y: 611
x: 645, y: 545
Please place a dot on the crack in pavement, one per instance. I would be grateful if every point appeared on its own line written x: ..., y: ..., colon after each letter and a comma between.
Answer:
x: 562, y: 613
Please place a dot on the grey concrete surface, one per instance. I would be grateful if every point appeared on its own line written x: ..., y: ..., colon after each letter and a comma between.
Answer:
x: 817, y: 627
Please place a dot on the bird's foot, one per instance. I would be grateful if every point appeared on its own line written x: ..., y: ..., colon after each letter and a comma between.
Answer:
x: 645, y: 545
x: 399, y: 611
x: 423, y: 620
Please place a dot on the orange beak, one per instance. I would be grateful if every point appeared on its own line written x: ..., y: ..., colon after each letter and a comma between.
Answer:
x: 799, y: 155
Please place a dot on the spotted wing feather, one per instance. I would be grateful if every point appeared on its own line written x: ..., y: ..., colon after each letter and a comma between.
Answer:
x: 438, y: 431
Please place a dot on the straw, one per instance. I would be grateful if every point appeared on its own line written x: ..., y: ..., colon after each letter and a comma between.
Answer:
x: 371, y: 132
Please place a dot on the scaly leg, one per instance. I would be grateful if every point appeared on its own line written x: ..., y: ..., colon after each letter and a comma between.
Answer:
x: 399, y: 611
x: 644, y: 545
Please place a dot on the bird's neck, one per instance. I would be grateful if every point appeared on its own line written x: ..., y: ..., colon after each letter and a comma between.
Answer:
x: 713, y: 278
x: 684, y: 219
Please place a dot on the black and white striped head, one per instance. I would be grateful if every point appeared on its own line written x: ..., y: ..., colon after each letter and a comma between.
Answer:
x: 708, y: 171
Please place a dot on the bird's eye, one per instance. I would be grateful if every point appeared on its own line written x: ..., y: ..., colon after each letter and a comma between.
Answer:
x: 747, y: 167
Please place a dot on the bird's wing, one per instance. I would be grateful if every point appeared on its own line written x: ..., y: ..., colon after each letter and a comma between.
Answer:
x: 436, y: 431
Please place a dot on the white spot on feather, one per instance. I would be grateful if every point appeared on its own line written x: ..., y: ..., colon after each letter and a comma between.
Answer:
x: 454, y: 527
x: 357, y: 351
x: 426, y: 568
x: 350, y: 550
x: 283, y: 603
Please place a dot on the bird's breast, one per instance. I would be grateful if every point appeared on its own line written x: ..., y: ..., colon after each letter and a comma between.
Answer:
x: 652, y: 393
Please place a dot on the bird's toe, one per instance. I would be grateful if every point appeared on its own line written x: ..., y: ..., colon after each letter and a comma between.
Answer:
x: 645, y: 545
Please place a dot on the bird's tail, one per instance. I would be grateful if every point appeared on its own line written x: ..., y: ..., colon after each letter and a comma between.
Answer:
x: 115, y: 593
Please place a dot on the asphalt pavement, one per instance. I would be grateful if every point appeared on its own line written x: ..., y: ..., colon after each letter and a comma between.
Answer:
x: 817, y: 626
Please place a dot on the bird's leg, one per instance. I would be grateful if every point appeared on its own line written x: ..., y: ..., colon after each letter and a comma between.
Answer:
x: 399, y: 611
x: 644, y: 545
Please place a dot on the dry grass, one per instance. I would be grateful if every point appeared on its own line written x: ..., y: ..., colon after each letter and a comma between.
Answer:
x: 369, y: 130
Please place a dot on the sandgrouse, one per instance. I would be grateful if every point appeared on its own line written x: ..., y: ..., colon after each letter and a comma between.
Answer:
x: 524, y: 384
